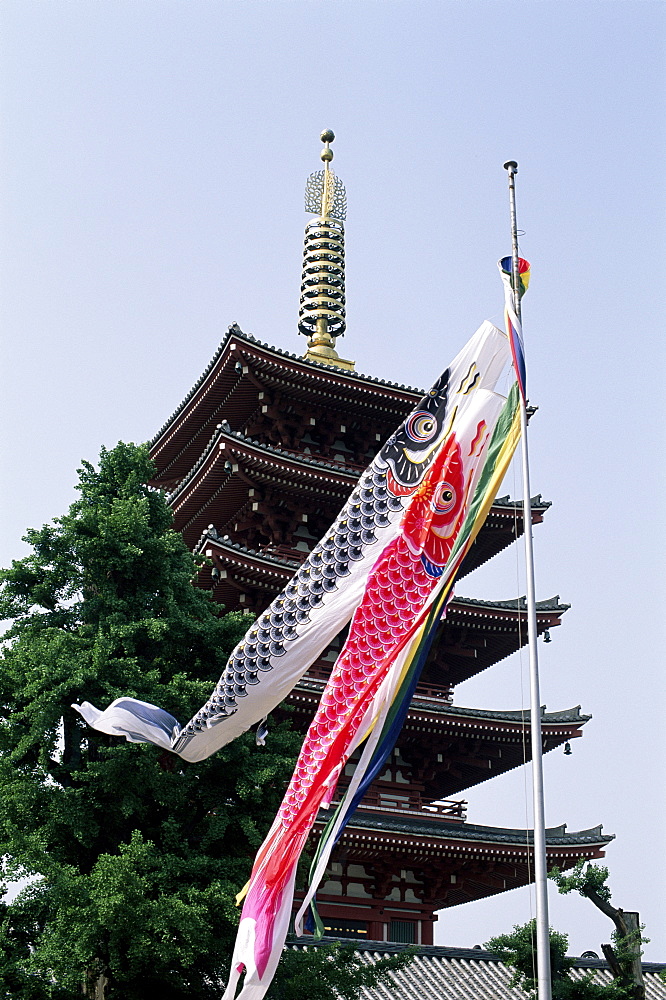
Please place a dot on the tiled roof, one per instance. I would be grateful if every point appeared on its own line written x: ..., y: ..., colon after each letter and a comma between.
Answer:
x: 535, y: 502
x: 436, y: 706
x: 516, y: 604
x: 568, y: 715
x: 223, y: 433
x: 467, y: 973
x: 211, y: 534
x: 418, y: 824
x: 236, y: 332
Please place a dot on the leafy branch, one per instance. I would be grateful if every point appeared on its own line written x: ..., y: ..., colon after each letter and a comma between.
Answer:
x: 624, y: 956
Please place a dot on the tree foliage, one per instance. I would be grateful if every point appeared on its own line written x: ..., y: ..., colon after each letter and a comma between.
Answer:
x: 518, y: 951
x: 135, y: 856
x: 333, y: 971
x: 624, y: 956
x: 587, y: 879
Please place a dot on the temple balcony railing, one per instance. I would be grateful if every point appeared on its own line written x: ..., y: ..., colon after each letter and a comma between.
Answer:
x: 449, y: 809
x: 440, y: 693
x: 445, y: 810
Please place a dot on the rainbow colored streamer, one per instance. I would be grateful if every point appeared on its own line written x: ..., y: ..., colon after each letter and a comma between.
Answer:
x: 513, y: 325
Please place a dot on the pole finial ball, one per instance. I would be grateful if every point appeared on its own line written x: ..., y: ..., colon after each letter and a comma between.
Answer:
x: 328, y: 135
x: 511, y: 164
x: 326, y: 154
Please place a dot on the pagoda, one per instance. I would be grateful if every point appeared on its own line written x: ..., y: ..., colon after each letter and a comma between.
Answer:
x: 257, y: 461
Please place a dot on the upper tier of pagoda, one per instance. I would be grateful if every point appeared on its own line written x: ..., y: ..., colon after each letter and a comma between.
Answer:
x: 260, y: 457
x: 296, y: 395
x: 266, y: 448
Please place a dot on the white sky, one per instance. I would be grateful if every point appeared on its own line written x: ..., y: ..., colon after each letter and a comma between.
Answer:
x: 154, y: 162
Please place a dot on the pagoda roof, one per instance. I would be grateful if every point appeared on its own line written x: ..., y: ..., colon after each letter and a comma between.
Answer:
x: 488, y: 718
x: 190, y: 518
x: 477, y: 633
x: 336, y: 471
x: 245, y: 555
x: 216, y: 488
x: 460, y: 861
x: 332, y: 373
x: 419, y: 825
x: 478, y: 744
x: 502, y: 526
x: 439, y: 971
x: 568, y: 717
x: 176, y: 446
x: 216, y: 492
x: 536, y: 503
x: 474, y: 635
x: 517, y: 604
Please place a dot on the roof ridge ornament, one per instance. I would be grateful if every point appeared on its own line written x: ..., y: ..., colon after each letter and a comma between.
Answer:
x: 321, y: 316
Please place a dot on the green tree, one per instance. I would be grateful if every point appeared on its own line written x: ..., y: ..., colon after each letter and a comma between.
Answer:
x: 333, y: 971
x: 624, y: 955
x: 518, y: 951
x: 135, y: 856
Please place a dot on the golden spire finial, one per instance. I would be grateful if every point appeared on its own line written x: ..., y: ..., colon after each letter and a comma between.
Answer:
x: 327, y: 136
x: 328, y: 185
x: 322, y: 310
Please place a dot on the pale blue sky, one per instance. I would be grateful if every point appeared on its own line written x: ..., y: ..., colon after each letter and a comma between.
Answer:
x: 154, y: 162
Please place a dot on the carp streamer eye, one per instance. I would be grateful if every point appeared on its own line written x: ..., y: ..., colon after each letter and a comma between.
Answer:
x: 444, y: 499
x: 421, y: 427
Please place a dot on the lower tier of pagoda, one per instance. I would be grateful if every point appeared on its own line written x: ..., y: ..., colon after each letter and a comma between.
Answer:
x: 391, y: 872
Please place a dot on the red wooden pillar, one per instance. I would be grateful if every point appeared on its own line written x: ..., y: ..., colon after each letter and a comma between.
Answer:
x: 427, y: 929
x: 376, y: 930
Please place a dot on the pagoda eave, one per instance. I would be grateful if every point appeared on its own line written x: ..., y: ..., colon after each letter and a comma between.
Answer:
x: 476, y: 634
x: 443, y: 864
x: 448, y: 749
x: 235, y: 475
x: 503, y: 525
x: 427, y: 714
x: 403, y: 830
x: 242, y: 367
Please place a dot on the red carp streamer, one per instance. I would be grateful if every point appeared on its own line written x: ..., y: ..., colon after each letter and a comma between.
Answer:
x: 396, y: 593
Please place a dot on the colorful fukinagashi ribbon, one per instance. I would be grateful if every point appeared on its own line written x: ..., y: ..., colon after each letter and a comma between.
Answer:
x: 513, y: 325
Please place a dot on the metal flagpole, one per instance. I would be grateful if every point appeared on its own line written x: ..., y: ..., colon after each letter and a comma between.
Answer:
x: 540, y: 869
